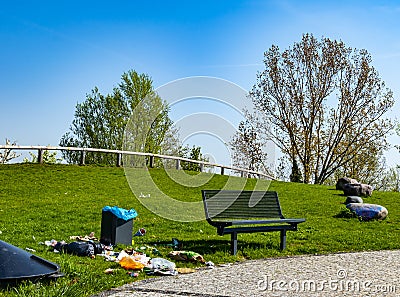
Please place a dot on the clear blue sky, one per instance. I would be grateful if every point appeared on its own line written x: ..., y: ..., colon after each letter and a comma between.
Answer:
x: 53, y: 53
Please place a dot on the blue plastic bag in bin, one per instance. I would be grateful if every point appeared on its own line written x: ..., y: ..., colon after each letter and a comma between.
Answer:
x: 121, y: 213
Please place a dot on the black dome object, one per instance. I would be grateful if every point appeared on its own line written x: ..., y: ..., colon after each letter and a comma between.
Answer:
x: 17, y: 264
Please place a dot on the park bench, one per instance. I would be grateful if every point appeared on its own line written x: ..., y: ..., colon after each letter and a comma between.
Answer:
x: 233, y: 212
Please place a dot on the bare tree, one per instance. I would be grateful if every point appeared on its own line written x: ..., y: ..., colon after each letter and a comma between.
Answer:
x: 7, y: 154
x: 322, y: 104
x: 247, y: 148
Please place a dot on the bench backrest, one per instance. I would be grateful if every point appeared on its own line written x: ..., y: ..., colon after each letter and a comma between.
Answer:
x: 229, y: 204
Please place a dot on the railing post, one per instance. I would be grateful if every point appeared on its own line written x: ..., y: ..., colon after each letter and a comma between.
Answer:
x: 201, y: 167
x: 241, y: 173
x: 151, y: 162
x: 222, y: 170
x: 178, y: 164
x: 40, y: 156
x: 83, y: 156
x: 119, y: 159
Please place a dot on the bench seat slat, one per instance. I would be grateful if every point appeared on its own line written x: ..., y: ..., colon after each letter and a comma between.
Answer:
x: 241, y: 204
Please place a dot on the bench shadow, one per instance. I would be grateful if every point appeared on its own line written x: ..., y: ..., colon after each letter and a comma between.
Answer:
x: 212, y: 246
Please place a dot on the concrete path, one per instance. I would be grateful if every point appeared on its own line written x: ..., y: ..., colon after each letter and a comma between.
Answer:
x: 366, y: 274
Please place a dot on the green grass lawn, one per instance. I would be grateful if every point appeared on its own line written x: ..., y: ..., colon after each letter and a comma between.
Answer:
x: 43, y: 202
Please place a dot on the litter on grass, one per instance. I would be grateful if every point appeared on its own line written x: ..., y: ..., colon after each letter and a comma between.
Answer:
x: 89, y: 237
x: 175, y: 243
x: 160, y: 266
x: 186, y: 256
x: 83, y: 246
x: 141, y: 232
x: 134, y: 261
x: 210, y: 265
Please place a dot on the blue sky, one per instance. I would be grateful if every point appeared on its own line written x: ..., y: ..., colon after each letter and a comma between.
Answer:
x: 53, y: 53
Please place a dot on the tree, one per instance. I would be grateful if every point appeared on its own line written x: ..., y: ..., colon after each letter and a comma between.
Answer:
x: 48, y: 157
x: 398, y: 133
x: 367, y: 167
x: 100, y: 120
x: 323, y: 104
x: 295, y: 176
x: 247, y: 148
x: 193, y: 153
x: 393, y: 179
x: 7, y: 154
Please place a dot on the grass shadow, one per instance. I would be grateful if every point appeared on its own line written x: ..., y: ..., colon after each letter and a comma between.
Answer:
x: 345, y: 214
x: 340, y: 195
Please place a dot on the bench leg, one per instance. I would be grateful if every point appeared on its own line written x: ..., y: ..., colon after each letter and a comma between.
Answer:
x: 234, y: 243
x: 283, y: 239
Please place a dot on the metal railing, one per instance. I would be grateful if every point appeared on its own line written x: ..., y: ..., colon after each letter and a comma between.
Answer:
x: 120, y: 153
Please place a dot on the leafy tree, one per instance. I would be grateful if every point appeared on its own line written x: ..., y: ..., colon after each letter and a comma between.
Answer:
x: 7, y: 154
x: 100, y: 120
x: 193, y: 153
x: 48, y: 157
x: 393, y: 179
x: 323, y: 104
x: 367, y: 167
x: 398, y: 133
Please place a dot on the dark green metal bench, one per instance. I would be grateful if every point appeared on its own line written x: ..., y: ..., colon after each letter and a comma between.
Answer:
x: 233, y: 212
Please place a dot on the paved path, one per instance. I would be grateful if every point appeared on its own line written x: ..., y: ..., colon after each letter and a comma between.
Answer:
x: 366, y: 274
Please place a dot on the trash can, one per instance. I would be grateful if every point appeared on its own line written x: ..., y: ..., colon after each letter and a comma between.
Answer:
x: 117, y: 225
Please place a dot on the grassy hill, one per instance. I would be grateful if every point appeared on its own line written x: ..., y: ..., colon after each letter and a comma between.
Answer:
x: 44, y: 202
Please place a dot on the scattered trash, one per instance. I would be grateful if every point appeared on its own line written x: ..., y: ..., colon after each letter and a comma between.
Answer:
x: 79, y: 248
x: 110, y: 256
x: 109, y: 271
x: 133, y: 274
x: 153, y: 250
x: 210, y: 265
x: 156, y: 252
x: 130, y: 264
x: 175, y: 243
x: 89, y: 237
x: 30, y: 250
x: 136, y: 261
x: 186, y: 256
x: 50, y: 242
x: 141, y: 232
x: 225, y: 265
x: 160, y: 266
